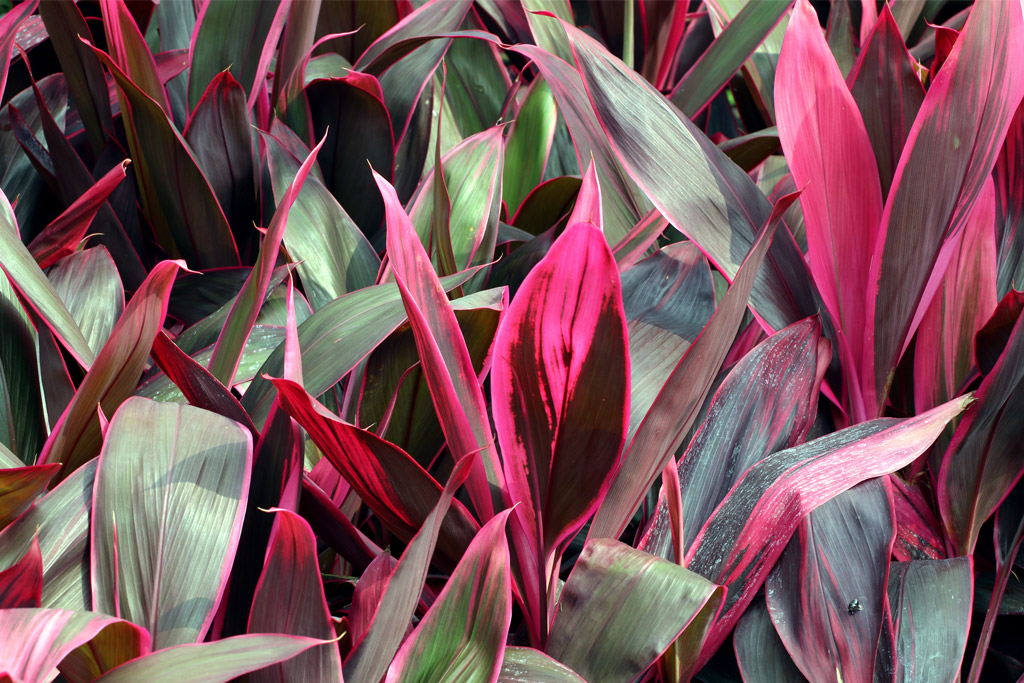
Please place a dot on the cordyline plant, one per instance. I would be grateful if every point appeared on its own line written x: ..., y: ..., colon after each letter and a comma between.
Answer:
x: 385, y: 340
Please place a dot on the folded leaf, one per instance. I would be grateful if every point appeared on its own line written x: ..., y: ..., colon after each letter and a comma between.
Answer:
x: 76, y: 437
x: 167, y: 511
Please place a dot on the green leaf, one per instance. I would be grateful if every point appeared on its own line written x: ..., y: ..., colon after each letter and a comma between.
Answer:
x: 529, y: 144
x: 88, y: 283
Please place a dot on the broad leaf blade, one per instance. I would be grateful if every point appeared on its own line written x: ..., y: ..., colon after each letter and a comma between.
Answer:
x: 89, y: 284
x: 526, y: 665
x: 167, y: 512
x: 462, y: 636
x: 19, y: 486
x: 760, y: 654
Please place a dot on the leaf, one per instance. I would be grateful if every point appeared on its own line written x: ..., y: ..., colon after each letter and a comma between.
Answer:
x: 9, y: 23
x: 612, y: 623
x: 526, y: 665
x: 214, y: 662
x: 888, y: 93
x: 370, y: 657
x: 129, y: 51
x: 33, y: 642
x: 242, y: 316
x: 726, y: 55
x: 219, y: 136
x: 478, y: 83
x: 59, y: 523
x: 982, y: 463
x: 767, y: 402
x: 1009, y: 214
x: 62, y: 235
x: 336, y: 107
x: 231, y: 36
x: 22, y: 417
x: 399, y: 491
x: 21, y: 584
x: 462, y: 636
x: 333, y: 256
x: 932, y: 648
x: 453, y: 383
x: 675, y: 409
x: 918, y: 532
x: 290, y: 600
x: 717, y: 204
x: 31, y: 283
x: 739, y: 544
x: 826, y: 594
x: 760, y: 654
x: 979, y: 72
x: 842, y: 198
x: 560, y: 396
x: 472, y: 176
x: 361, y: 319
x: 76, y: 437
x: 167, y: 510
x: 529, y: 143
x: 89, y: 284
x: 19, y: 487
x: 943, y: 356
x: 177, y: 198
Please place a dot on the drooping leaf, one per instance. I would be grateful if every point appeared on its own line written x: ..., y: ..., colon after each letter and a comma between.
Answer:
x: 28, y: 278
x: 167, y: 510
x: 888, y: 93
x: 21, y: 584
x: 741, y: 541
x: 930, y: 601
x: 290, y: 600
x: 842, y: 197
x: 89, y: 284
x: 215, y: 662
x: 398, y: 490
x: 453, y: 383
x: 768, y: 402
x: 612, y: 622
x: 826, y: 594
x: 76, y: 437
x: 462, y: 637
x: 59, y: 521
x: 980, y: 71
x: 33, y: 642
x: 333, y: 256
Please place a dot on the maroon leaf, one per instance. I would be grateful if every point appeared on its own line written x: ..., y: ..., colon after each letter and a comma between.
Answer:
x: 392, y: 484
x: 827, y: 593
x: 963, y: 120
x: 290, y: 600
x: 743, y: 539
x: 129, y: 51
x: 842, y: 198
x: 112, y: 378
x: 992, y: 338
x: 369, y: 590
x: 918, y: 532
x: 888, y: 93
x: 21, y: 584
x: 63, y: 235
x: 1009, y: 182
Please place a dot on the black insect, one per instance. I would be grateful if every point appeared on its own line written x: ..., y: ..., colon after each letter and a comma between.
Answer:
x: 854, y: 606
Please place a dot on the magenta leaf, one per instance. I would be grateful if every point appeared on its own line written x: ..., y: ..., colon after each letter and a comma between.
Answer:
x: 453, y: 383
x: 930, y: 601
x: 918, y: 532
x: 167, y: 511
x: 767, y: 402
x: 33, y: 642
x: 981, y: 71
x: 841, y: 197
x: 366, y: 596
x: 463, y: 634
x: 21, y: 584
x: 398, y: 490
x: 827, y: 592
x: 76, y: 437
x: 59, y: 522
x: 9, y: 23
x: 290, y: 600
x: 612, y: 621
x: 742, y: 540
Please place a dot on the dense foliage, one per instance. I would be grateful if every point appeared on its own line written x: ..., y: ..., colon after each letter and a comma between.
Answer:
x: 511, y: 341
